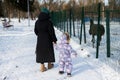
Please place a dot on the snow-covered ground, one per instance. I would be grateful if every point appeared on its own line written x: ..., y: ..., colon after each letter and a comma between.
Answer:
x: 17, y: 57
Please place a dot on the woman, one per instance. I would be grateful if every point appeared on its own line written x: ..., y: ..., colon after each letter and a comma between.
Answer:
x: 45, y: 39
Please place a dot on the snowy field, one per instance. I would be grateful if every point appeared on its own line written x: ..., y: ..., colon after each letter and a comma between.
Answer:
x: 17, y: 56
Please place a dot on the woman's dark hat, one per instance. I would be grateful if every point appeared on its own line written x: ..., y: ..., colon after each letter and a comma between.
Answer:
x: 45, y: 10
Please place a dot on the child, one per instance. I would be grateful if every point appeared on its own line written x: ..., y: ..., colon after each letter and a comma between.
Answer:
x: 65, y: 52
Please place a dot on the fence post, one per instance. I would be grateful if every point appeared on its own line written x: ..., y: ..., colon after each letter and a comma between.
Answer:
x: 84, y: 26
x: 70, y: 22
x: 81, y: 25
x: 73, y: 22
x: 108, y: 32
x: 64, y: 20
x: 62, y: 16
x: 60, y: 20
x: 67, y: 19
x: 98, y: 35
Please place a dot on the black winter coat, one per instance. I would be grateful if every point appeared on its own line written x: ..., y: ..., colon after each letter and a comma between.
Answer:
x: 45, y: 38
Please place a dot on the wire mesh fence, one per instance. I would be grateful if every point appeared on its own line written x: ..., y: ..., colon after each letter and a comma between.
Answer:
x: 77, y: 24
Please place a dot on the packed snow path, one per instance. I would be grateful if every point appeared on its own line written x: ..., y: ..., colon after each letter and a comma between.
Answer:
x: 17, y: 60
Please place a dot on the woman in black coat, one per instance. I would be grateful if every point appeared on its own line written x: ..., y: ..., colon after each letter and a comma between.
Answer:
x: 45, y: 39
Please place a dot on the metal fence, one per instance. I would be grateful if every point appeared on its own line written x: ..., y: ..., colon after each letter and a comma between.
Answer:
x: 77, y: 24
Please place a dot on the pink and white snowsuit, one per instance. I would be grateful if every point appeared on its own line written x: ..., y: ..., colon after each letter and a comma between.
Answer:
x: 65, y: 53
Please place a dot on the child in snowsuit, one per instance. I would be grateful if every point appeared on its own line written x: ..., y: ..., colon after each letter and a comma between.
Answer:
x: 65, y: 53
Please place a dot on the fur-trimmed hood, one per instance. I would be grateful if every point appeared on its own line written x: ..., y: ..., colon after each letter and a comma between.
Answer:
x: 43, y: 16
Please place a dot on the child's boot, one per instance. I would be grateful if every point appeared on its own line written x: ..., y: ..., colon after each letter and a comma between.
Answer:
x: 69, y: 74
x: 43, y: 68
x: 61, y: 72
x: 50, y: 65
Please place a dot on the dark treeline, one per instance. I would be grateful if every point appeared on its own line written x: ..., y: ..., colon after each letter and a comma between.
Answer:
x: 19, y: 8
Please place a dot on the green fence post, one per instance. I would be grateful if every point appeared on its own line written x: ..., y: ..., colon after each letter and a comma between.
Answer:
x: 98, y: 35
x: 108, y: 32
x: 62, y: 27
x: 70, y: 22
x: 63, y: 18
x: 60, y: 20
x: 57, y: 19
x: 78, y: 32
x: 64, y: 21
x: 67, y: 20
x: 67, y: 24
x: 81, y: 25
x: 73, y: 22
x: 84, y: 26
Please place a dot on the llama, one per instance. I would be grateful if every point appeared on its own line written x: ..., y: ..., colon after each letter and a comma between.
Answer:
x: 93, y: 31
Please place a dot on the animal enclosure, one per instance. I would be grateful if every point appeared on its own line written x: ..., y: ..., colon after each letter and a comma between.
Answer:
x: 77, y: 24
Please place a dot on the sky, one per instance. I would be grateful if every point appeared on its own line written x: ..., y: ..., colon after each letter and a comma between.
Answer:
x: 17, y: 56
x: 105, y: 1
